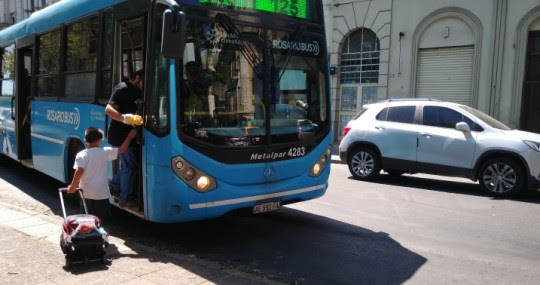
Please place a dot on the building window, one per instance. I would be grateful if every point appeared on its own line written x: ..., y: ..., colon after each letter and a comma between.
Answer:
x: 360, y: 58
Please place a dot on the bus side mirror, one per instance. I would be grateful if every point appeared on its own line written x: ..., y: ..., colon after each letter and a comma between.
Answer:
x: 172, y: 34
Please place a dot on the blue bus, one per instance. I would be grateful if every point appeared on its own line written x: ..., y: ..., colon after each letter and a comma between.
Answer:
x: 236, y: 100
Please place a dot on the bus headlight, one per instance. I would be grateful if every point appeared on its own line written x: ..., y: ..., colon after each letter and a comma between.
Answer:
x: 203, y: 182
x: 317, y: 167
x: 196, y: 179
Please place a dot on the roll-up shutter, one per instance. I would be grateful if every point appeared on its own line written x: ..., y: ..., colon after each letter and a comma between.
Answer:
x: 446, y: 74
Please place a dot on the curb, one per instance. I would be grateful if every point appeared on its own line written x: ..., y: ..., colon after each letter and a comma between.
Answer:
x: 336, y: 159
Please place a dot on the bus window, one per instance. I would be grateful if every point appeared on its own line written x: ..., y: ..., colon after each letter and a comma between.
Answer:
x: 49, y: 64
x: 8, y: 71
x: 81, y: 59
x: 107, y: 46
x: 158, y: 111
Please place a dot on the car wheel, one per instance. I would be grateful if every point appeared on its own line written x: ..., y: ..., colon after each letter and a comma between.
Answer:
x: 364, y: 163
x: 501, y: 177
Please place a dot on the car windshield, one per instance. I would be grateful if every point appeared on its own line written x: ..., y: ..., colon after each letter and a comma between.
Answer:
x: 486, y: 119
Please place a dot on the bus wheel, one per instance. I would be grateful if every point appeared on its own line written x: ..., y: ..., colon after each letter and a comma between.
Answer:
x: 74, y: 148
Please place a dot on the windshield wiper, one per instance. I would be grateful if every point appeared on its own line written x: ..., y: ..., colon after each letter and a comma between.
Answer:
x: 247, y: 50
x: 286, y: 58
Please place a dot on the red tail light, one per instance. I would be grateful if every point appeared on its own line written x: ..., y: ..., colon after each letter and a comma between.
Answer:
x: 346, y: 130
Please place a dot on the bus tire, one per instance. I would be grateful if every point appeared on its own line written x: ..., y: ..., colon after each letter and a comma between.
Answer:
x: 74, y: 148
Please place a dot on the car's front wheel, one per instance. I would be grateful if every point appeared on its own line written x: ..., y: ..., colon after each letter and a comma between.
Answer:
x: 364, y: 163
x: 501, y: 177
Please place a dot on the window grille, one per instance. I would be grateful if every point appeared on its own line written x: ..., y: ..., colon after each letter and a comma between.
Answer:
x: 360, y: 57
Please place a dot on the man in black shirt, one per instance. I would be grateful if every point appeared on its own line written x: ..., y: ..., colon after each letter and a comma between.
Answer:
x: 121, y: 108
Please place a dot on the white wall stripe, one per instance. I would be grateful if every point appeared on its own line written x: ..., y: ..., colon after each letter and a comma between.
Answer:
x: 57, y: 141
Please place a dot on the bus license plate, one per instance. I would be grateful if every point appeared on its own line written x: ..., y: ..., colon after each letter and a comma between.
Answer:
x: 266, y: 207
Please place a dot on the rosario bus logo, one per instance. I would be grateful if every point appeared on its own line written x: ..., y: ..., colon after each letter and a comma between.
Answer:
x: 312, y: 47
x: 65, y: 117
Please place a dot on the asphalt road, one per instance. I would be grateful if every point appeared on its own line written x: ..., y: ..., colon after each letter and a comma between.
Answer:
x: 414, y: 229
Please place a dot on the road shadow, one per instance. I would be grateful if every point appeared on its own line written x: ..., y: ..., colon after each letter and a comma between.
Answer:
x: 441, y: 185
x: 287, y: 245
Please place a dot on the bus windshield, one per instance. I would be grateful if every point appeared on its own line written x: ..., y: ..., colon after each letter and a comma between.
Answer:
x: 244, y: 85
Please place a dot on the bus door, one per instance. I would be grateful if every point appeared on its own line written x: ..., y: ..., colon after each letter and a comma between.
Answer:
x: 130, y: 51
x: 23, y: 103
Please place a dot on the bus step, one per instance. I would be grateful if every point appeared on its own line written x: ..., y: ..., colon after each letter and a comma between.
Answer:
x: 28, y: 162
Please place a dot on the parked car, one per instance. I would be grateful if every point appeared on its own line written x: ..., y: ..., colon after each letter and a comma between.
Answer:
x: 442, y: 138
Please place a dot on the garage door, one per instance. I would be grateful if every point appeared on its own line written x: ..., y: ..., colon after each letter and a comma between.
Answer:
x: 446, y: 74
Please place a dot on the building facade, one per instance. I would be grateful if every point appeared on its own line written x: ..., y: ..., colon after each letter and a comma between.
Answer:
x: 483, y: 53
x: 13, y: 11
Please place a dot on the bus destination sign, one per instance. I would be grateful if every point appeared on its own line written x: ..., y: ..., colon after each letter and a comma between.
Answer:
x: 293, y: 8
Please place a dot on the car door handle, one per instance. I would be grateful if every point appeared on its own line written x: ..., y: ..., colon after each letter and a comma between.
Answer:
x: 427, y: 135
x: 379, y: 128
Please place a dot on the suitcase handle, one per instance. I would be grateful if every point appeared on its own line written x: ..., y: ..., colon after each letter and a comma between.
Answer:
x: 81, y: 197
x: 65, y: 189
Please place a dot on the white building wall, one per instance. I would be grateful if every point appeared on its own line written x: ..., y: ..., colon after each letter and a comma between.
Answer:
x: 347, y: 17
x: 19, y: 9
x: 526, y: 12
x: 497, y: 28
x: 407, y: 17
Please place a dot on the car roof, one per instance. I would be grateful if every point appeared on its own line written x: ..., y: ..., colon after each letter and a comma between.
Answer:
x: 411, y: 101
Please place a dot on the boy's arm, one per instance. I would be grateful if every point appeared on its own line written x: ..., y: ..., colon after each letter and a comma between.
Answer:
x: 127, y: 141
x: 76, y: 178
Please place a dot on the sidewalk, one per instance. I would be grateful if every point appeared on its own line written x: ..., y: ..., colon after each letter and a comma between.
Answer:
x: 30, y: 254
x: 335, y: 154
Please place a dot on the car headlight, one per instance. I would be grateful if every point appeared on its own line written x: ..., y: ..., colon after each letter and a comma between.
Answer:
x: 196, y: 179
x: 317, y: 167
x: 533, y: 145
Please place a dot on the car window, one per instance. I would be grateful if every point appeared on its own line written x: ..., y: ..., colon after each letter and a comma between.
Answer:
x: 401, y: 114
x: 445, y: 118
x: 382, y: 115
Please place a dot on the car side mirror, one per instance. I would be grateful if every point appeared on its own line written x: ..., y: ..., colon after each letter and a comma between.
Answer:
x: 463, y: 127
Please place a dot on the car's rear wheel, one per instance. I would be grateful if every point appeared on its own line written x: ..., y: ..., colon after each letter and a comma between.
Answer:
x: 364, y: 163
x: 501, y: 177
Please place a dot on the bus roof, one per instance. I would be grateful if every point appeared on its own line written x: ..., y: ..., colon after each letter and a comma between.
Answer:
x: 53, y: 16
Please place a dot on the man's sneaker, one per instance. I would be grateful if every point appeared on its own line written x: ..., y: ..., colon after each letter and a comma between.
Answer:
x: 114, y: 190
x: 128, y: 204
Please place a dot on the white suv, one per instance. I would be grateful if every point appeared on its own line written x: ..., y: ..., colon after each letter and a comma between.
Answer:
x: 429, y: 136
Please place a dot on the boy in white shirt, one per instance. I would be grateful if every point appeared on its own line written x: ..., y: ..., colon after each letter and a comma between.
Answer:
x: 91, y: 171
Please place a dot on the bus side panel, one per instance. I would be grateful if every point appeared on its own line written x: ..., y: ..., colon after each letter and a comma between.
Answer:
x: 53, y: 124
x: 8, y: 141
x: 167, y: 197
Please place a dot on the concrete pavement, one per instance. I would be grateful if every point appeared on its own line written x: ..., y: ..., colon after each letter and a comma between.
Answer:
x: 30, y: 254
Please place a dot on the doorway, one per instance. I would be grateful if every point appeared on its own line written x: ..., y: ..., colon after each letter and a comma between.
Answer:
x: 530, y: 108
x: 24, y: 103
x: 353, y: 97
